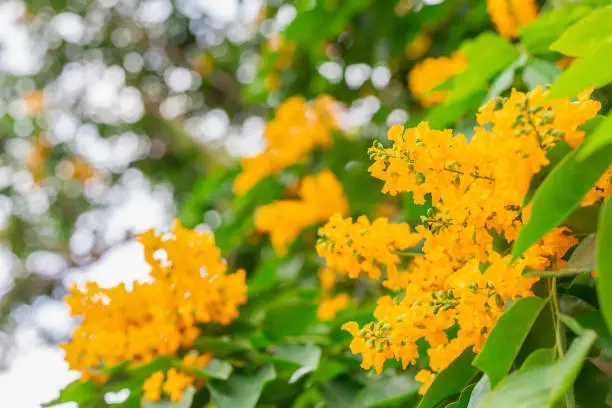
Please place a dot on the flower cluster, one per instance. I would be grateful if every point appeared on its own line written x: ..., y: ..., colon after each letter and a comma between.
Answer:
x: 431, y: 72
x: 509, y: 15
x: 364, y: 248
x: 298, y: 127
x: 461, y: 277
x: 188, y: 286
x: 321, y: 196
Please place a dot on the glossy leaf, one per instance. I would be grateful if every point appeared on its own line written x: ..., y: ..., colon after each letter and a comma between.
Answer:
x: 586, y: 36
x: 604, y: 263
x: 450, y: 381
x: 560, y: 194
x: 592, y: 71
x: 507, y: 337
x: 541, y: 387
x: 240, y: 390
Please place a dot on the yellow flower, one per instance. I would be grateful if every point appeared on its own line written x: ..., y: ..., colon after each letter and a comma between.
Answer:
x: 477, y: 190
x: 432, y: 72
x: 189, y: 286
x: 330, y: 305
x: 298, y: 127
x: 176, y: 383
x: 152, y: 386
x: 509, y: 15
x: 321, y: 196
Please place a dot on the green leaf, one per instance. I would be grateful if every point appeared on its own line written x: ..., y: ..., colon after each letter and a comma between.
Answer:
x: 80, y: 392
x: 540, y: 73
x: 593, y: 71
x: 481, y: 390
x: 306, y: 356
x: 539, y: 358
x: 583, y: 256
x: 587, y: 35
x: 184, y: 402
x: 604, y: 263
x: 541, y: 387
x: 240, y: 391
x: 340, y: 392
x: 289, y: 319
x: 217, y: 369
x: 464, y: 398
x: 548, y: 27
x: 388, y: 390
x: 592, y: 387
x: 507, y: 337
x: 599, y: 139
x: 219, y: 346
x: 487, y: 55
x: 561, y: 192
x: 450, y: 381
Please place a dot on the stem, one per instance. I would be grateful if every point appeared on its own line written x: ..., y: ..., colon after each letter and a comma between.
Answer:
x: 556, y: 312
x: 569, y: 398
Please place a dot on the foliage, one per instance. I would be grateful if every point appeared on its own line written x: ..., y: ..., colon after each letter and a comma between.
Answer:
x: 463, y: 260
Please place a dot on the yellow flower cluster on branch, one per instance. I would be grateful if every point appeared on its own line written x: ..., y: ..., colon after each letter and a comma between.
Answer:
x: 509, y: 15
x: 431, y: 72
x: 477, y: 187
x: 298, y: 127
x: 321, y: 196
x: 189, y: 285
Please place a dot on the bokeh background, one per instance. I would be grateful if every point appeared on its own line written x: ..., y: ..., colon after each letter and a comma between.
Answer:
x: 114, y: 113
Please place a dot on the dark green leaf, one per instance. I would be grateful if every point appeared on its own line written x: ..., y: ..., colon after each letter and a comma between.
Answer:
x: 587, y: 35
x: 340, y: 392
x: 592, y: 71
x: 464, y: 398
x: 450, y: 381
x: 281, y: 321
x: 507, y: 337
x: 560, y: 194
x: 389, y: 390
x: 240, y: 391
x: 592, y: 387
x: 184, y: 402
x: 604, y: 263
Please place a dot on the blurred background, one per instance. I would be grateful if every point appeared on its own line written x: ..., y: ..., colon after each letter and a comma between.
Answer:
x: 116, y: 114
